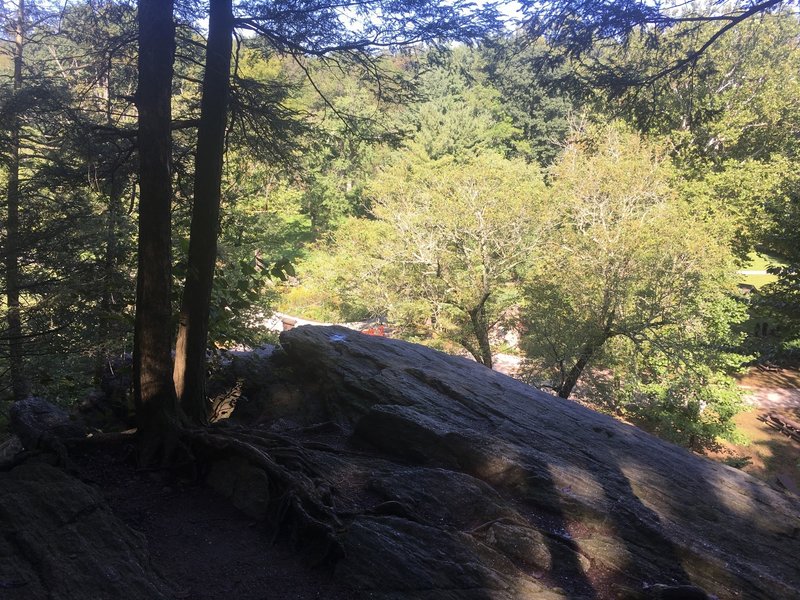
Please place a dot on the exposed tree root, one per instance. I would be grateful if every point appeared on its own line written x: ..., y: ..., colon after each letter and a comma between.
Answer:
x: 296, y: 504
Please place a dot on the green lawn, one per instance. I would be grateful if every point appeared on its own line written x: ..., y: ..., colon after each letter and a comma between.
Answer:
x: 760, y: 262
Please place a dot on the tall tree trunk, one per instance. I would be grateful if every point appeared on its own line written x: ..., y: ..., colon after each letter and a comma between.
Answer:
x: 113, y: 190
x: 110, y: 264
x: 190, y: 354
x: 154, y: 391
x: 19, y: 383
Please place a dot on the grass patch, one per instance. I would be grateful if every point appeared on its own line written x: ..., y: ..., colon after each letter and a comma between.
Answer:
x: 759, y: 281
x: 759, y: 261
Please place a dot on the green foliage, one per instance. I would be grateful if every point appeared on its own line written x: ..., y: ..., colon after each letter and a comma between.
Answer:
x: 535, y: 91
x: 690, y: 408
x: 678, y: 385
x: 447, y: 240
x: 75, y: 236
x: 462, y: 116
x: 262, y: 236
x: 630, y: 281
x: 759, y: 199
x: 781, y: 301
x: 348, y: 128
x: 341, y: 280
x: 417, y: 199
x: 730, y: 122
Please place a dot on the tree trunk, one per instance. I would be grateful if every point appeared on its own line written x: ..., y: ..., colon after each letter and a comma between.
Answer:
x: 190, y: 354
x: 152, y: 363
x: 477, y: 317
x: 566, y: 387
x: 19, y: 383
x: 110, y: 262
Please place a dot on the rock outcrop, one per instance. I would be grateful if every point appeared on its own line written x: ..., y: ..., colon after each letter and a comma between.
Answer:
x: 38, y: 423
x: 59, y: 540
x: 422, y: 476
x: 469, y: 484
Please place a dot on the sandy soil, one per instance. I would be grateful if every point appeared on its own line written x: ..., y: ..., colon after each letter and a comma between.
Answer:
x: 769, y: 455
x: 779, y: 389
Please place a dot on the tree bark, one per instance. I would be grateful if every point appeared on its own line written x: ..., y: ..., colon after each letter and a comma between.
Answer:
x: 477, y: 317
x: 190, y: 353
x: 19, y: 383
x: 566, y: 387
x: 113, y: 189
x: 110, y: 264
x: 154, y: 391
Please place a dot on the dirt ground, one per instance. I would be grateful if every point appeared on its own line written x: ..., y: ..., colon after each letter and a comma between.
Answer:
x: 774, y: 389
x: 769, y: 455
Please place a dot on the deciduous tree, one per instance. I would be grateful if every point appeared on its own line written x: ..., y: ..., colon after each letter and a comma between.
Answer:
x: 447, y: 245
x: 627, y: 269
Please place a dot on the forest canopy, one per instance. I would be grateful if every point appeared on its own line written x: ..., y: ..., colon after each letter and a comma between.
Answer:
x: 577, y: 184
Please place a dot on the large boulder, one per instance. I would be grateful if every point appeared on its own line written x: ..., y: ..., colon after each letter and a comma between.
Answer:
x: 423, y: 477
x: 39, y: 423
x: 465, y: 483
x: 60, y: 541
